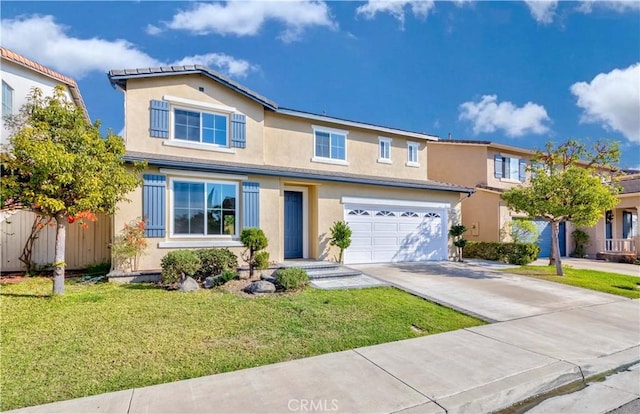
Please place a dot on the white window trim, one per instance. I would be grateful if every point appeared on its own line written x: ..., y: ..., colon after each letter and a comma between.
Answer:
x: 410, y: 163
x: 205, y: 175
x: 305, y: 217
x: 380, y: 158
x: 227, y: 237
x: 198, y: 104
x: 199, y: 244
x: 504, y: 163
x: 11, y: 90
x: 197, y: 145
x: 325, y: 160
x: 179, y: 143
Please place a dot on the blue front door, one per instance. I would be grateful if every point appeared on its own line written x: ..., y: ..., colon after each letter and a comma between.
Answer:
x: 292, y: 224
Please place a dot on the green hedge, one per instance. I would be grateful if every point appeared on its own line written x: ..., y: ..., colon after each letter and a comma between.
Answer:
x: 513, y: 253
x: 177, y: 264
x: 214, y: 261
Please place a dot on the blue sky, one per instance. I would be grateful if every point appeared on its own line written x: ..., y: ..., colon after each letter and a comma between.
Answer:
x: 519, y: 73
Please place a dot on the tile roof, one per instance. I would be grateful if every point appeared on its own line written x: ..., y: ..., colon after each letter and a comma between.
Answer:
x: 172, y: 161
x: 35, y: 66
x: 120, y: 77
x: 630, y: 184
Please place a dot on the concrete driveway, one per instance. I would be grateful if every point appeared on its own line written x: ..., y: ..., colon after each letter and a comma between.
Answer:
x: 489, y: 294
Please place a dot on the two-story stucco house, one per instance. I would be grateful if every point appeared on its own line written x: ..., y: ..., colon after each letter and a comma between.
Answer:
x: 490, y: 168
x: 19, y: 76
x: 222, y: 157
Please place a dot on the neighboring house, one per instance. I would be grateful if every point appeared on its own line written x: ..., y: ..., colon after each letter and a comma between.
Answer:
x: 19, y: 76
x: 222, y: 158
x: 491, y: 169
x: 617, y: 233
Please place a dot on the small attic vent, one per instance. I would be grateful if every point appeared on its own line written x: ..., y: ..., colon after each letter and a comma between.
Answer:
x: 201, y: 89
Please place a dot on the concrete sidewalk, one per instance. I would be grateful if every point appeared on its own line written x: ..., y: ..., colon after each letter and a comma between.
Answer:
x: 556, y: 336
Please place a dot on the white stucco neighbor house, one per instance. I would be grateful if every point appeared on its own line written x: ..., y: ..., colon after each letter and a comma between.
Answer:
x: 19, y: 75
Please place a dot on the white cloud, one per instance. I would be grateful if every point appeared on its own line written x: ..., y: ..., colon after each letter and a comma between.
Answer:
x: 487, y: 115
x: 542, y: 11
x: 40, y: 38
x: 152, y: 30
x: 243, y: 18
x: 613, y: 100
x: 395, y: 8
x: 620, y: 6
x: 227, y: 64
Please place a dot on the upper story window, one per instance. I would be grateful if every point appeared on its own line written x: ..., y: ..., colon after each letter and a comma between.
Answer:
x: 509, y: 168
x: 204, y: 127
x: 204, y: 208
x: 330, y: 145
x: 384, y: 150
x: 412, y: 154
x: 7, y: 99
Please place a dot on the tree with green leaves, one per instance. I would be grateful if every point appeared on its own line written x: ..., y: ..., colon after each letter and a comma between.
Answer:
x: 340, y: 237
x: 58, y: 165
x: 457, y: 233
x: 569, y: 182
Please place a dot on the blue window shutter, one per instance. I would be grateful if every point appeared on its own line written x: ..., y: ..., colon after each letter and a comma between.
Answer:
x: 238, y: 130
x: 154, y: 193
x: 497, y: 166
x: 250, y: 205
x: 159, y: 126
x: 523, y: 170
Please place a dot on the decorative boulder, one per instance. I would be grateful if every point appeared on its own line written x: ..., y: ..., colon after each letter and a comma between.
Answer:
x: 261, y: 286
x: 210, y: 282
x: 267, y: 278
x: 188, y: 285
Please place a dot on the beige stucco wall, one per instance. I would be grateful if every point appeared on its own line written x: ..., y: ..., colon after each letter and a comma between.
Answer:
x: 483, y: 216
x: 324, y: 207
x: 137, y: 117
x: 290, y: 141
x: 457, y: 164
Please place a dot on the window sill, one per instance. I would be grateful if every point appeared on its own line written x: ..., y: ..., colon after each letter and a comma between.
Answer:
x: 412, y: 164
x: 509, y: 180
x: 198, y: 146
x: 329, y: 161
x: 199, y: 244
x: 384, y: 161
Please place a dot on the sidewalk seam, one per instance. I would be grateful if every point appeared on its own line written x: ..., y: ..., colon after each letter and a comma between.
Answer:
x: 130, y: 401
x: 401, y: 381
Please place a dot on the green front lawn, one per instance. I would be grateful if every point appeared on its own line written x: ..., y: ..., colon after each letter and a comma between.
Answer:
x: 107, y: 337
x: 622, y: 285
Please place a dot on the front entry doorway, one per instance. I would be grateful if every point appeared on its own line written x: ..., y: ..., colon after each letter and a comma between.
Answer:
x: 293, y: 225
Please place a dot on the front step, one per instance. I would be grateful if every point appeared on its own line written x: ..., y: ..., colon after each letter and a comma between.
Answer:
x: 321, y: 269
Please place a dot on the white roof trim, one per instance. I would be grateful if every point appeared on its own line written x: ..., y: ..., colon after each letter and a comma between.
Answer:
x: 357, y: 124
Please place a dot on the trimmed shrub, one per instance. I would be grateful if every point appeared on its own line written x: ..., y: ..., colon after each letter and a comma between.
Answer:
x: 178, y: 264
x: 214, y: 262
x: 292, y: 278
x: 512, y: 253
x: 254, y: 240
x: 581, y: 239
x: 261, y: 260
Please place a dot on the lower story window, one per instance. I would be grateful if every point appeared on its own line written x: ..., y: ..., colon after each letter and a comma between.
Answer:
x: 204, y: 208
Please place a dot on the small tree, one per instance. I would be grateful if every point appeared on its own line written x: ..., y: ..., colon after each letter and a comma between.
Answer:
x: 459, y: 241
x: 581, y: 239
x: 571, y: 182
x: 520, y: 231
x: 129, y: 246
x: 60, y: 166
x: 340, y: 237
x: 254, y: 240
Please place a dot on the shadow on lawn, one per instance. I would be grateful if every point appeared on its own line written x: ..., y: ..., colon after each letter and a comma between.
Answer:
x: 26, y: 295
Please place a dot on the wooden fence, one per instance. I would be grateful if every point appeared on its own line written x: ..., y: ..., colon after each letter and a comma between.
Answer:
x: 84, y: 247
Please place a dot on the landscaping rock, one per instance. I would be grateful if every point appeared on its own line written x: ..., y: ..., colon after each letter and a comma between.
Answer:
x: 268, y: 278
x: 188, y: 285
x: 261, y: 286
x: 210, y: 282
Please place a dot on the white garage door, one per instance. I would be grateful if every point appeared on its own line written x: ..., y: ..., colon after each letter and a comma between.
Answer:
x: 383, y: 234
